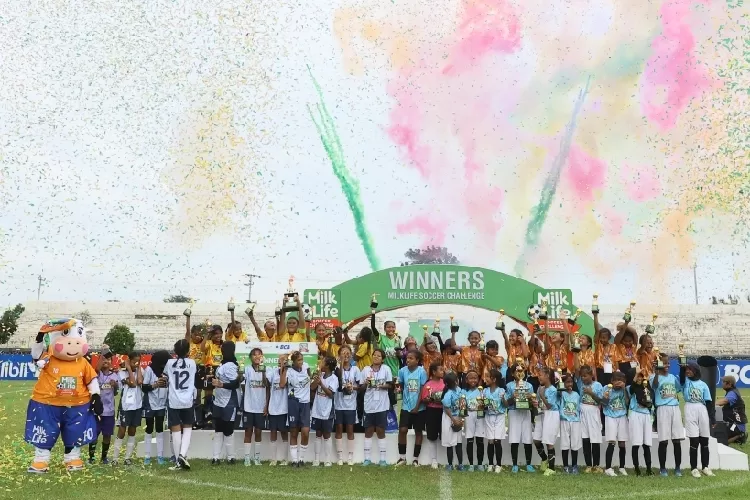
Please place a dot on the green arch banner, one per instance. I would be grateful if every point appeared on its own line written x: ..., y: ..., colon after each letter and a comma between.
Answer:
x: 400, y: 287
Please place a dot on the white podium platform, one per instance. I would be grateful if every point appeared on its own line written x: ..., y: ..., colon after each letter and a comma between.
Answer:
x: 722, y: 457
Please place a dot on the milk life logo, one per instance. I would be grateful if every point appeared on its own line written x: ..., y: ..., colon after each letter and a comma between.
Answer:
x: 325, y: 307
x: 557, y: 300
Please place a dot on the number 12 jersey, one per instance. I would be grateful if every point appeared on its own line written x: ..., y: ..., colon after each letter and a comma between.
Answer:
x: 181, y: 374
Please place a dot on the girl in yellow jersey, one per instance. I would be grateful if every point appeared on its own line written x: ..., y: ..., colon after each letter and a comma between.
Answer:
x: 234, y: 331
x: 290, y: 327
x: 268, y: 333
x: 212, y: 357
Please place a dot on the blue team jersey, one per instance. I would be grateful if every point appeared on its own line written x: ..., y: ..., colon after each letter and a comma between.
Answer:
x: 510, y: 391
x: 667, y: 390
x: 634, y: 406
x: 595, y: 386
x: 551, y: 394
x: 450, y: 401
x: 411, y: 385
x: 696, y: 392
x: 494, y: 401
x: 472, y: 397
x: 615, y: 407
x: 570, y: 406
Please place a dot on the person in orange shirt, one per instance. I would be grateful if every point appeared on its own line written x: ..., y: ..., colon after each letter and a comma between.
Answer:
x: 625, y: 347
x: 270, y: 327
x: 515, y: 347
x: 65, y: 399
x: 557, y: 357
x: 430, y: 352
x: 585, y: 357
x: 492, y: 361
x: 646, y: 355
x: 537, y: 361
x: 471, y: 356
x: 605, y: 355
x: 451, y: 357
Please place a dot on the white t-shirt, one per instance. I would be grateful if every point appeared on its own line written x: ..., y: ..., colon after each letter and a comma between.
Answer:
x: 132, y: 397
x: 298, y: 383
x: 181, y: 374
x: 255, y: 391
x: 227, y: 372
x: 278, y: 403
x: 376, y: 400
x: 157, y: 398
x: 322, y: 407
x: 343, y: 401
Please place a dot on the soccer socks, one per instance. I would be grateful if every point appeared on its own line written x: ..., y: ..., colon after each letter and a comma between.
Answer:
x: 340, y: 448
x: 249, y: 448
x: 218, y: 444
x: 382, y: 449
x: 327, y: 449
x: 129, y: 447
x: 116, y: 449
x: 229, y: 445
x: 480, y: 450
x: 587, y: 452
x: 293, y: 453
x: 176, y: 443
x: 302, y: 452
x: 187, y: 433
x: 634, y: 456
x: 491, y: 453
x: 368, y: 448
x: 622, y: 457
x: 147, y: 445
x: 499, y: 453
x: 402, y: 451
x: 417, y: 451
x: 514, y: 453
x: 663, y: 454
x: 92, y: 450
x: 565, y: 458
x: 550, y: 458
x: 540, y: 451
x: 677, y: 446
x: 470, y: 450
x: 608, y: 456
x: 160, y: 444
x: 433, y: 451
x: 574, y: 458
x: 318, y: 445
x: 460, y: 453
x: 596, y: 450
x: 449, y: 453
x: 647, y: 457
x: 105, y: 450
x: 705, y: 454
x: 527, y: 452
x: 693, y: 452
x: 350, y: 449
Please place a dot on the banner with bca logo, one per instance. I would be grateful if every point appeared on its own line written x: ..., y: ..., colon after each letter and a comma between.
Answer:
x: 17, y: 367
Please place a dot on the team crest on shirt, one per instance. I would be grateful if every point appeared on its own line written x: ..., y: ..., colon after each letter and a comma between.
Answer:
x: 587, y: 399
x: 668, y: 391
x: 696, y: 395
x: 618, y: 403
x: 412, y: 385
x: 66, y: 386
x: 570, y: 408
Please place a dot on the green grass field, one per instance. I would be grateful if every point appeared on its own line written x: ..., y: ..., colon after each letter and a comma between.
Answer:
x: 205, y: 482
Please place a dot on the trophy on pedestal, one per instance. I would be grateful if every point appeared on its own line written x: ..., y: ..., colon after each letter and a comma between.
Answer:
x: 454, y: 326
x: 187, y: 312
x: 608, y: 391
x: 462, y: 406
x: 681, y: 354
x: 575, y: 338
x: 543, y: 310
x: 480, y: 403
x: 291, y: 299
x: 628, y: 316
x: 595, y: 304
x: 500, y: 324
x: 374, y: 303
x: 659, y: 362
x: 277, y: 310
x: 230, y: 305
x: 250, y: 309
x: 651, y: 328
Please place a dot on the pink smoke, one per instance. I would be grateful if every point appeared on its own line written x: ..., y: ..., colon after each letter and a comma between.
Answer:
x: 641, y: 182
x: 585, y: 174
x: 672, y: 76
x: 433, y: 231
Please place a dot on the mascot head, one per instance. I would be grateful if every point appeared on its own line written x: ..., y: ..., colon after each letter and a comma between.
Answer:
x: 67, y: 338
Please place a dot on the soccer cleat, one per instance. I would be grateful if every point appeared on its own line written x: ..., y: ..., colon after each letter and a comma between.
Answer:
x: 114, y: 463
x: 283, y: 463
x: 448, y: 467
x: 105, y: 461
x: 215, y: 461
x: 231, y: 461
x: 695, y: 473
x: 127, y: 461
x: 272, y: 463
x: 566, y: 469
x: 434, y: 465
x: 147, y: 461
x: 707, y: 472
x: 340, y: 463
x: 38, y: 468
x: 587, y: 470
x: 92, y: 460
x: 248, y: 462
x: 498, y: 469
x: 400, y: 462
x: 415, y: 463
x: 663, y: 472
x: 637, y: 472
x: 161, y: 460
x: 610, y: 473
x: 514, y: 470
x: 366, y: 463
x: 176, y: 466
x: 383, y: 463
x: 597, y: 470
x: 350, y: 462
x: 623, y: 472
x: 530, y: 468
x: 543, y: 466
x: 183, y: 462
x: 677, y: 473
x: 173, y: 459
x: 574, y: 470
x: 470, y: 469
x: 256, y: 462
x: 550, y: 472
x: 316, y: 463
x: 649, y: 472
x: 328, y: 464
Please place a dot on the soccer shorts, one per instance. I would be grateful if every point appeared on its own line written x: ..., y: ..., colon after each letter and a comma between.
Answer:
x: 696, y: 420
x: 45, y: 424
x: 669, y: 423
x: 408, y: 420
x: 616, y: 429
x: 519, y: 426
x: 473, y: 426
x: 570, y: 435
x: 494, y: 427
x: 639, y: 428
x: 591, y: 423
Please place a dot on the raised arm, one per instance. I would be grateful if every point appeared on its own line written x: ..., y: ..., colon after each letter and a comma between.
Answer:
x: 260, y: 333
x: 187, y: 327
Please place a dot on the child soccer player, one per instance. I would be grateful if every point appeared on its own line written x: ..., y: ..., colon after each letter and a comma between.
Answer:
x: 451, y: 357
x: 297, y: 380
x: 325, y: 385
x: 430, y: 353
x: 451, y: 422
x: 515, y: 347
x: 255, y: 406
x: 492, y: 361
x: 615, y: 401
x: 211, y: 348
x: 639, y: 421
x: 557, y: 359
x: 494, y: 421
x: 697, y: 426
x: 519, y: 420
x: 180, y: 416
x: 627, y: 355
x: 109, y: 383
x: 277, y: 400
x: 432, y: 395
x: 412, y: 378
x: 591, y: 393
x: 377, y: 380
x: 646, y: 355
x: 131, y: 402
x: 570, y: 425
x: 669, y: 421
x: 194, y: 338
x: 548, y: 425
x: 155, y: 405
x: 345, y: 403
x: 226, y: 385
x: 471, y: 356
x: 474, y: 425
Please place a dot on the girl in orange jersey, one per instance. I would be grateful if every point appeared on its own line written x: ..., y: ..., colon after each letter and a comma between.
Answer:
x: 451, y: 357
x: 471, y: 356
x: 646, y: 355
x: 430, y: 352
x: 625, y: 347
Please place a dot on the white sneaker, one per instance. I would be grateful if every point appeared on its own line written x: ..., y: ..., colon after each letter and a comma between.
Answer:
x: 350, y: 462
x: 610, y: 473
x: 695, y: 473
x: 340, y: 463
x: 707, y: 472
x: 284, y: 463
x: 256, y: 462
x: 623, y: 472
x: 316, y: 463
x: 329, y: 464
x: 273, y: 463
x: 498, y: 469
x: 435, y: 465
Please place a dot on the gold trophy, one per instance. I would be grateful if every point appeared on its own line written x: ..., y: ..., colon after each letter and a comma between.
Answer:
x: 480, y: 403
x: 500, y: 324
x: 424, y: 330
x: 595, y: 304
x: 543, y: 310
x: 436, y: 328
x: 291, y: 298
x: 250, y: 309
x: 454, y: 326
x: 277, y: 310
x: 560, y: 383
x: 628, y: 316
x: 659, y: 362
x: 187, y: 312
x: 522, y: 397
x: 681, y: 354
x: 482, y: 345
x: 575, y: 339
x: 230, y: 305
x: 537, y: 327
x: 651, y: 328
x: 608, y: 391
x: 534, y: 401
x: 572, y: 320
x: 374, y: 303
x: 646, y: 392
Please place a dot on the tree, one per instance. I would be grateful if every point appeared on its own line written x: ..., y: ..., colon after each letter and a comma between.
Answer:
x: 179, y: 299
x: 9, y: 323
x: 84, y: 317
x: 120, y: 339
x: 429, y: 255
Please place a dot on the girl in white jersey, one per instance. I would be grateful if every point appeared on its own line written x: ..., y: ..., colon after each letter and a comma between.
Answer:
x: 255, y: 406
x: 345, y: 403
x: 226, y: 385
x: 155, y: 405
x: 181, y: 374
x: 377, y: 380
x: 297, y: 380
x: 325, y: 386
x: 277, y: 400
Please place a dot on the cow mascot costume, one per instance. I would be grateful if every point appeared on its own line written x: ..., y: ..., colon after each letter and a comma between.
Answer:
x: 66, y: 397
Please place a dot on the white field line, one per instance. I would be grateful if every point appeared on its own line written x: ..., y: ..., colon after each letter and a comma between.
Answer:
x: 446, y: 486
x: 707, y: 484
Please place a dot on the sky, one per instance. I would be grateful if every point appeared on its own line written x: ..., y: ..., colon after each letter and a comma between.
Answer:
x: 154, y: 148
